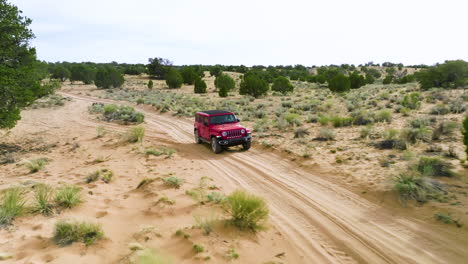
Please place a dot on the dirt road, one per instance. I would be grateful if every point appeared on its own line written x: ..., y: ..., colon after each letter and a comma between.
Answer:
x: 323, y: 221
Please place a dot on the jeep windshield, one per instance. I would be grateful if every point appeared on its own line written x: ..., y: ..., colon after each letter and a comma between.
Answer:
x: 222, y: 119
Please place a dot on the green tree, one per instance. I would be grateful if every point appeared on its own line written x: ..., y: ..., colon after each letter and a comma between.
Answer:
x: 388, y: 79
x: 225, y: 82
x: 200, y: 86
x: 174, y: 79
x: 61, y: 73
x: 19, y: 76
x: 189, y: 75
x: 109, y: 77
x: 254, y: 86
x: 82, y: 72
x: 158, y: 67
x: 339, y: 83
x: 450, y: 74
x: 356, y: 80
x: 150, y: 84
x: 465, y: 134
x: 282, y: 85
x: 216, y: 70
x: 370, y: 78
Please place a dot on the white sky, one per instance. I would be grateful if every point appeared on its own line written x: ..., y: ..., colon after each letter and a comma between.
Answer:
x: 250, y: 32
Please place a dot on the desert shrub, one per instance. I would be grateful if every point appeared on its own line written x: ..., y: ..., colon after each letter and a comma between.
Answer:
x: 339, y: 121
x: 173, y: 182
x: 43, y: 195
x: 254, y: 86
x: 301, y: 132
x: 434, y: 166
x: 145, y: 182
x: 224, y: 83
x: 339, y: 83
x: 216, y: 197
x: 293, y: 119
x: 362, y: 117
x: 174, y: 79
x: 134, y: 134
x: 388, y: 79
x: 412, y: 100
x: 391, y: 140
x: 200, y: 86
x: 445, y: 128
x: 419, y: 122
x: 383, y: 116
x: 205, y: 223
x: 68, y: 196
x: 465, y: 134
x: 412, y: 135
x: 287, y: 104
x: 189, y: 75
x: 457, y: 106
x: 447, y: 219
x: 198, y: 248
x: 326, y: 134
x: 439, y: 109
x: 232, y: 254
x: 112, y: 112
x: 104, y: 174
x: 61, y: 73
x: 450, y: 74
x: 162, y: 151
x: 68, y: 232
x: 405, y: 111
x: 109, y: 77
x: 150, y: 84
x: 366, y: 131
x: 12, y: 205
x: 247, y: 211
x: 35, y: 165
x: 312, y: 119
x: 369, y: 79
x: 411, y: 185
x: 282, y: 85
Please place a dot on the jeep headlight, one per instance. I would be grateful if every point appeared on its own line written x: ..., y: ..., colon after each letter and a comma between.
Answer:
x: 224, y: 134
x: 243, y: 131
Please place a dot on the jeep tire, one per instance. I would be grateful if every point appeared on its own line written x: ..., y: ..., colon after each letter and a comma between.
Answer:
x: 246, y: 145
x: 215, y: 145
x: 197, y: 137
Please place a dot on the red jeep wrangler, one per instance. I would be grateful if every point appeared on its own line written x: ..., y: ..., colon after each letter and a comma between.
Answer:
x: 220, y: 129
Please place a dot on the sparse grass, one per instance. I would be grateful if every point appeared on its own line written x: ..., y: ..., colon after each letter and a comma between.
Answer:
x: 43, y: 195
x: 134, y: 134
x: 247, y: 211
x: 326, y: 134
x: 112, y: 112
x: 150, y: 256
x: 68, y: 232
x: 447, y: 219
x: 366, y: 131
x: 93, y: 176
x: 301, y: 133
x: 12, y: 205
x: 383, y: 116
x: 434, y: 166
x: 165, y: 201
x: 339, y: 121
x: 198, y: 248
x: 216, y: 197
x: 35, y: 165
x: 173, y: 182
x: 145, y: 182
x: 162, y: 151
x: 231, y: 254
x: 206, y: 223
x: 68, y: 196
x: 101, y: 131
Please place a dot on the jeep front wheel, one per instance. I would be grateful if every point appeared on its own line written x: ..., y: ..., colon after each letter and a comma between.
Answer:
x: 246, y: 145
x: 197, y: 137
x: 215, y: 145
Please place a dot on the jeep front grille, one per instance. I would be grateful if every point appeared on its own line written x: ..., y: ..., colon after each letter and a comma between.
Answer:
x: 234, y: 133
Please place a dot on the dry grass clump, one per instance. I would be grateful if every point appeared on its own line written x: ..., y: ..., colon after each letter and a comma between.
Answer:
x: 150, y: 256
x: 12, y: 205
x: 247, y: 211
x: 43, y: 195
x: 134, y: 134
x: 145, y: 182
x: 434, y: 166
x: 104, y: 174
x: 35, y: 165
x: 68, y: 232
x: 68, y: 196
x: 173, y: 182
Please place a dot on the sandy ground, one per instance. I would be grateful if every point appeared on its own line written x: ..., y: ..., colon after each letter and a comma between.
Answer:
x: 314, y: 218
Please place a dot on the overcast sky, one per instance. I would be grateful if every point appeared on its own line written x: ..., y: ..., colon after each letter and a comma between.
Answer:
x: 250, y: 32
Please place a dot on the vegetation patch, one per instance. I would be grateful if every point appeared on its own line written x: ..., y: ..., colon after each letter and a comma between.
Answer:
x: 35, y: 165
x: 68, y: 196
x: 247, y: 211
x: 68, y: 232
x: 434, y: 166
x: 115, y: 113
x: 12, y: 205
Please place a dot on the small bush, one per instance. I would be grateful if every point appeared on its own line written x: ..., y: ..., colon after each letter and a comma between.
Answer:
x: 339, y: 121
x: 150, y: 84
x: 447, y: 219
x: 12, y: 204
x: 145, y: 182
x: 216, y: 197
x: 67, y: 232
x: 163, y: 151
x: 247, y: 211
x: 413, y: 135
x: 413, y: 186
x: 445, y: 128
x: 293, y: 119
x: 412, y: 101
x: 366, y: 131
x: 465, y: 134
x: 326, y: 134
x: 440, y: 109
x: 282, y: 85
x: 35, y: 165
x: 232, y: 254
x: 134, y: 134
x: 224, y: 83
x: 362, y: 118
x: 383, y: 116
x: 434, y: 166
x: 112, y: 112
x: 43, y: 195
x: 339, y: 83
x: 173, y: 182
x: 301, y: 132
x: 205, y: 223
x: 198, y: 248
x: 68, y: 196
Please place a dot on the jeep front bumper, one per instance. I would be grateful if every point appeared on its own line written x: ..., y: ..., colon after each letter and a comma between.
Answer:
x: 234, y: 141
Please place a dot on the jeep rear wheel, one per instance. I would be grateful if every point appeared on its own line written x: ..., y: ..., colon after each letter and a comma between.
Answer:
x: 197, y: 137
x: 215, y: 145
x: 246, y: 145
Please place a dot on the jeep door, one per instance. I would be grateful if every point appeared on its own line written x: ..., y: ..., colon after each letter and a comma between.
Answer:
x: 204, y: 127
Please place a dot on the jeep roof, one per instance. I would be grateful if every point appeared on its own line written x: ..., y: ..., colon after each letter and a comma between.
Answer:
x: 215, y: 112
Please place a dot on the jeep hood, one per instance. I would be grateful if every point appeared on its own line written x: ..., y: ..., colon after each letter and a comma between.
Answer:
x: 226, y: 127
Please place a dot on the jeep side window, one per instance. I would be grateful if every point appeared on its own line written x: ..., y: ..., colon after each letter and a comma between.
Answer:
x: 205, y: 120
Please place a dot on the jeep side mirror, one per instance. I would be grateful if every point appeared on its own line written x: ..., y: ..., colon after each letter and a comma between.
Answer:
x: 237, y: 119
